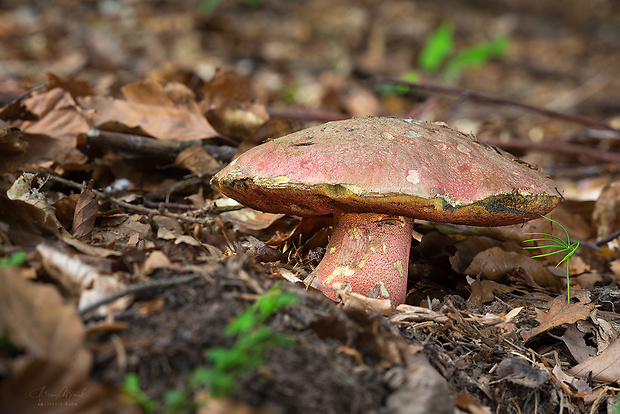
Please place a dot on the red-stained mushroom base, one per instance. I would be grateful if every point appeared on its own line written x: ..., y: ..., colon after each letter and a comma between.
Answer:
x: 371, y: 252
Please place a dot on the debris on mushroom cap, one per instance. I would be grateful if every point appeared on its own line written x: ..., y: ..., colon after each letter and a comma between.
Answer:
x: 389, y: 166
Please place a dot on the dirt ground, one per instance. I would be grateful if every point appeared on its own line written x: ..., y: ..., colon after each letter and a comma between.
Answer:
x: 149, y: 99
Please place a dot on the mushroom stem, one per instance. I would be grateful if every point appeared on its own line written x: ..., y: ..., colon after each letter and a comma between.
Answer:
x: 371, y: 252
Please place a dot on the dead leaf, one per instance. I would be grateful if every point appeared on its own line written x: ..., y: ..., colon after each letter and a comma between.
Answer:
x: 26, y: 190
x: 484, y: 291
x: 466, y: 250
x: 86, y: 210
x: 148, y: 110
x: 197, y: 160
x: 495, y: 263
x: 521, y: 372
x: 53, y: 136
x: 560, y: 313
x: 575, y: 387
x: 606, y: 216
x: 12, y: 147
x: 230, y: 106
x: 260, y: 250
x: 82, y: 280
x: 248, y: 219
x: 418, y: 389
x: 603, y: 367
x: 464, y: 401
x: 76, y: 87
x: 155, y: 260
x: 38, y: 320
x: 574, y: 340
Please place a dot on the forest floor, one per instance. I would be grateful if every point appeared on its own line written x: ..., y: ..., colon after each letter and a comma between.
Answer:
x: 129, y: 283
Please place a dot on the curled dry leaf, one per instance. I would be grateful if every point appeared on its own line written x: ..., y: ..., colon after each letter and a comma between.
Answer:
x: 247, y: 219
x: 467, y: 250
x: 606, y: 214
x: 197, y: 160
x: 38, y: 320
x: 521, y: 372
x: 575, y: 341
x: 559, y: 313
x: 150, y: 110
x: 12, y: 147
x: 230, y: 106
x: 85, y: 212
x: 604, y: 367
x: 484, y: 291
x: 260, y: 250
x: 24, y: 190
x: 575, y: 387
x: 81, y: 279
x: 52, y: 137
x: 495, y: 263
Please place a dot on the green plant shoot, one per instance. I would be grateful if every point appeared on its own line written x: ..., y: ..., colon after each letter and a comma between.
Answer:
x: 476, y: 56
x: 439, y: 45
x: 560, y: 244
x: 13, y: 259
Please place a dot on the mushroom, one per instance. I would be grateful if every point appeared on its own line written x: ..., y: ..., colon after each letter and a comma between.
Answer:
x: 376, y: 175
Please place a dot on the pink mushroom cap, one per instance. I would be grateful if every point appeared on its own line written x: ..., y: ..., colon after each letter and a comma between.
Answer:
x: 396, y: 167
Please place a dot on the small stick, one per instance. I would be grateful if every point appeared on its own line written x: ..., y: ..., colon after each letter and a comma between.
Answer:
x: 138, y: 287
x: 487, y: 97
x: 131, y: 207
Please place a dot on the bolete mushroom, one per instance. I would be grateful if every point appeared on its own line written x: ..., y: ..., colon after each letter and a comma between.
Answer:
x: 376, y: 175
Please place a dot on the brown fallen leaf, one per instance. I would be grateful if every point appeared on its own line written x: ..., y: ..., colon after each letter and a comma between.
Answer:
x: 53, y: 136
x: 575, y: 341
x: 559, y: 313
x: 149, y: 111
x: 85, y: 212
x: 469, y: 404
x: 495, y: 263
x: 81, y: 279
x: 12, y: 147
x: 484, y: 291
x: 247, y: 219
x: 229, y: 105
x: 603, y: 367
x: 27, y: 189
x: 466, y: 250
x: 575, y: 387
x: 197, y: 160
x: 521, y: 372
x: 606, y: 214
x: 38, y: 320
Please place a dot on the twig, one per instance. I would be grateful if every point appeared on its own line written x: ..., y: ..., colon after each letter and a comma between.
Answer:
x: 487, y: 97
x: 143, y: 145
x: 138, y: 287
x: 131, y: 207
